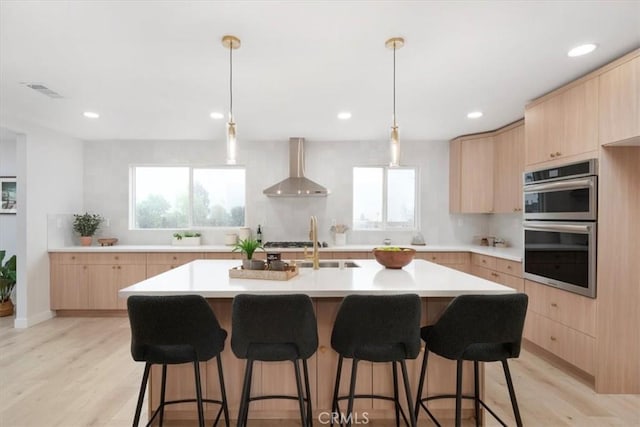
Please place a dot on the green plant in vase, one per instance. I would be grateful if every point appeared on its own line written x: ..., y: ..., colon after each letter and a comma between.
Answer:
x: 248, y: 247
x: 86, y: 225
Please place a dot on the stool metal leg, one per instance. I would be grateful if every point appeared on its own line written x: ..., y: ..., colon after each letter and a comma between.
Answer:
x: 352, y: 391
x: 163, y: 389
x: 396, y: 402
x: 476, y: 391
x: 303, y: 416
x: 223, y: 393
x: 336, y: 388
x: 196, y: 371
x: 246, y: 394
x: 458, y: 393
x: 143, y: 387
x: 512, y: 393
x: 407, y: 390
x: 423, y: 372
x: 307, y: 393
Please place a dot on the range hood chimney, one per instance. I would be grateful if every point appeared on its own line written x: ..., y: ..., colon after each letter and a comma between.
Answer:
x: 296, y: 185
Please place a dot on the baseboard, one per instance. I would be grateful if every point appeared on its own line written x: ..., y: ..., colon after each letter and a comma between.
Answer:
x: 91, y: 313
x: 559, y: 363
x: 26, y: 322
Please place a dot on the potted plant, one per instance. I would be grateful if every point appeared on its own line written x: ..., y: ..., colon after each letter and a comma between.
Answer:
x: 7, y: 283
x: 248, y: 247
x: 186, y: 238
x: 86, y: 225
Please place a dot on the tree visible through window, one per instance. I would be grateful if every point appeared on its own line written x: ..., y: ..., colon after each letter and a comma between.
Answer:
x: 384, y: 198
x: 183, y: 197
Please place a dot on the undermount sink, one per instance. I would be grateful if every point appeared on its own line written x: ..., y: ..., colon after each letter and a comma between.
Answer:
x: 328, y: 264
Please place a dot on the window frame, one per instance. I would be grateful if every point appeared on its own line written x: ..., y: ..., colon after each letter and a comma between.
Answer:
x: 190, y: 225
x: 385, y: 222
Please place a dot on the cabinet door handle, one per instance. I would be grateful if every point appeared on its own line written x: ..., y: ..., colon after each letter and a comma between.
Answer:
x: 433, y: 258
x: 119, y: 268
x: 175, y: 258
x: 73, y: 257
x: 558, y: 154
x: 484, y: 261
x: 323, y: 349
x: 552, y: 155
x: 116, y: 258
x: 553, y: 338
x: 554, y: 305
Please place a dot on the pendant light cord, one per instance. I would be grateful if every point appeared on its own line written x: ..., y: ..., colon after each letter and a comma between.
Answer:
x: 231, y: 78
x: 394, y: 84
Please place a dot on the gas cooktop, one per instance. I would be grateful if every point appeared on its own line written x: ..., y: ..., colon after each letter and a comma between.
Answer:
x: 307, y: 244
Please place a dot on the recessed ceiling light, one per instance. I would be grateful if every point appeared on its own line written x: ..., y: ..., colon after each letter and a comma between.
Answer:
x: 91, y: 114
x: 216, y: 115
x: 474, y: 115
x: 345, y: 115
x: 582, y: 49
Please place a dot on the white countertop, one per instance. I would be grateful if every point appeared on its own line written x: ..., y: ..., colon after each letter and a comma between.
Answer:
x: 210, y: 278
x: 513, y: 254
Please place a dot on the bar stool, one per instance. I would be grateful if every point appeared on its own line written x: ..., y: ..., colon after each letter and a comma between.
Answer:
x: 271, y: 328
x: 168, y: 330
x: 479, y: 328
x: 377, y: 328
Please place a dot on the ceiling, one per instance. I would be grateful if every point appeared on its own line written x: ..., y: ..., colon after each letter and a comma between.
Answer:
x: 157, y: 69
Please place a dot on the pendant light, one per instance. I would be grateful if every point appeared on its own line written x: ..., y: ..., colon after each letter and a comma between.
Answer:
x: 394, y: 43
x: 231, y: 43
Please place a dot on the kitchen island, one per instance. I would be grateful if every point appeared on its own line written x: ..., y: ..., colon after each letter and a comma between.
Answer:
x: 436, y: 285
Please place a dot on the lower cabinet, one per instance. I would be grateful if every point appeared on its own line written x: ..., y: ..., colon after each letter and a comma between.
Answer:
x: 457, y: 260
x: 164, y: 261
x: 91, y: 281
x: 505, y: 272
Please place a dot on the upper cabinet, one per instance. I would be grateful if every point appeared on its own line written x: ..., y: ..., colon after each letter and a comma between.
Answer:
x: 486, y: 171
x: 471, y: 174
x: 620, y: 104
x: 508, y: 169
x: 562, y: 124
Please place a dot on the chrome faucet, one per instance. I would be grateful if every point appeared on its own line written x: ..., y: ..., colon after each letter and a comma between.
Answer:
x: 313, y: 235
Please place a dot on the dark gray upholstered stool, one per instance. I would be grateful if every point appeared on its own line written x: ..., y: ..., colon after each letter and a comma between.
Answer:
x: 167, y: 330
x: 271, y: 328
x: 479, y: 328
x: 377, y: 328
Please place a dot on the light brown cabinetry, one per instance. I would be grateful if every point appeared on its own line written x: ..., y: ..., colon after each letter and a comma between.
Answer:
x: 505, y: 272
x: 460, y: 261
x: 620, y: 104
x: 92, y: 281
x: 476, y: 175
x: 508, y: 169
x: 562, y: 323
x: 164, y: 261
x: 562, y: 124
x: 485, y: 171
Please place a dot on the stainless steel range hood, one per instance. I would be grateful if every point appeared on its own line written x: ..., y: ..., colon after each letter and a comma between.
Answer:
x: 296, y: 185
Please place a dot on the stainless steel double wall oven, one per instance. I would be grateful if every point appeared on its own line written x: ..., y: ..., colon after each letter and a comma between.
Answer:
x: 560, y: 227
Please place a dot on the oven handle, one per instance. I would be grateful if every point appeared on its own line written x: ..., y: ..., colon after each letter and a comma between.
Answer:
x: 558, y: 227
x: 560, y: 185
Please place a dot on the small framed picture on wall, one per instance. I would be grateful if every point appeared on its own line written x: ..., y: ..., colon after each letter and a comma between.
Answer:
x: 8, y: 195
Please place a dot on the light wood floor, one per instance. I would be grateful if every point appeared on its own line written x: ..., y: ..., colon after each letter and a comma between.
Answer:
x: 78, y: 372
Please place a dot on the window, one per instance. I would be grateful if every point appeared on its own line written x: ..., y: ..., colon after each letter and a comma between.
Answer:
x: 169, y: 197
x: 384, y: 198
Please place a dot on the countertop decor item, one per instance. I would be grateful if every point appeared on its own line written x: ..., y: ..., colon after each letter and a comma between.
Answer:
x: 187, y: 238
x: 86, y: 225
x: 339, y: 234
x: 7, y: 283
x: 107, y: 241
x: 286, y: 274
x: 393, y: 256
x: 247, y: 247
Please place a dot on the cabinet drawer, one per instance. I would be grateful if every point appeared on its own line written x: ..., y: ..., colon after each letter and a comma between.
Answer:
x: 572, y: 310
x: 68, y: 258
x: 172, y: 258
x: 482, y: 272
x: 445, y: 257
x: 513, y: 268
x: 568, y: 344
x: 484, y: 261
x: 513, y: 282
x: 122, y: 258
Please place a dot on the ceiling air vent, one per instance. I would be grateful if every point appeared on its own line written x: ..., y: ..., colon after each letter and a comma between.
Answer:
x: 39, y: 87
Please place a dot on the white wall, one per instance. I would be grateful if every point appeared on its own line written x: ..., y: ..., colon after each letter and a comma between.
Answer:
x: 507, y: 226
x: 106, y: 187
x: 49, y: 174
x: 8, y: 167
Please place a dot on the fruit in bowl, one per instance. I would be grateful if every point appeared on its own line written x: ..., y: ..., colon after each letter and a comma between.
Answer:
x: 393, y: 256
